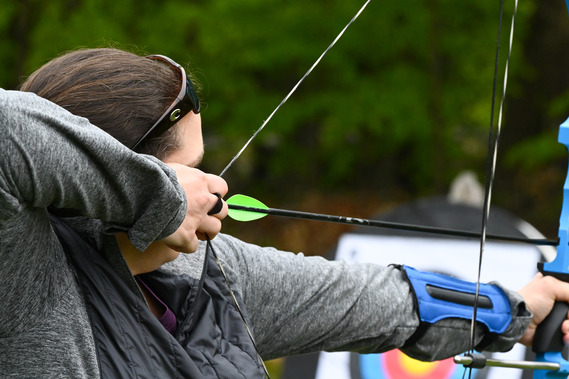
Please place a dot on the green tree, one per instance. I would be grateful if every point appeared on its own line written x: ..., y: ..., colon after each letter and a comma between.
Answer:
x: 401, y: 103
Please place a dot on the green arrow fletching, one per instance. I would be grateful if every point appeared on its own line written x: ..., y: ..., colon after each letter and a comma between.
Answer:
x: 245, y: 201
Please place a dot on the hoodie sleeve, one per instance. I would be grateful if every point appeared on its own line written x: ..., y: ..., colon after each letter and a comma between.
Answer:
x: 298, y: 304
x: 51, y: 158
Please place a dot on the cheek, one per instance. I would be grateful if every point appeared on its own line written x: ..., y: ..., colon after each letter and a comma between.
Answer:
x: 190, y: 141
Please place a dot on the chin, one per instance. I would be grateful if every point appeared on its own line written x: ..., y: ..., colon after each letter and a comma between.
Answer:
x: 171, y: 256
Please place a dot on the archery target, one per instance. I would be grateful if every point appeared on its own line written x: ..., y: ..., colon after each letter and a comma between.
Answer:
x: 396, y: 365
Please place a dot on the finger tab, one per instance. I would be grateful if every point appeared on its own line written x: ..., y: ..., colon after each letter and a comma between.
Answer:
x: 217, y: 207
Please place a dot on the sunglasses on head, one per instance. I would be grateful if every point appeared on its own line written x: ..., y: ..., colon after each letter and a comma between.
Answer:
x: 186, y: 101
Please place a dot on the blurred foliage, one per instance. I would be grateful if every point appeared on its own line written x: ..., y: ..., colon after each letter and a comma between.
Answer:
x: 401, y: 103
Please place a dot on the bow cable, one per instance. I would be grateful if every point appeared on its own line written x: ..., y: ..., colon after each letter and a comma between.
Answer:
x: 493, y: 142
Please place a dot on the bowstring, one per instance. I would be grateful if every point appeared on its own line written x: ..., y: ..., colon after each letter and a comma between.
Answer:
x: 210, y: 245
x: 294, y: 88
x: 493, y: 142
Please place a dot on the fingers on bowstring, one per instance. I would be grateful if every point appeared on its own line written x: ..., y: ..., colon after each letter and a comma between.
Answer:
x: 217, y: 207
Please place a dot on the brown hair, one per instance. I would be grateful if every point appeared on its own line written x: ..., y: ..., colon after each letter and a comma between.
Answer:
x: 120, y: 92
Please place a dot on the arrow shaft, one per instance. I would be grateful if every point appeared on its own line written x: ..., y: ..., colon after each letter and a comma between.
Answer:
x: 387, y: 224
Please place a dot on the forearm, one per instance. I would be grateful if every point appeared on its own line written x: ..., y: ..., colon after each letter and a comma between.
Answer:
x: 54, y: 159
x: 300, y: 304
x: 449, y: 337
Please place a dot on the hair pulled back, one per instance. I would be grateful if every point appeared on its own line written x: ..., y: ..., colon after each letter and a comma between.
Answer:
x: 122, y: 93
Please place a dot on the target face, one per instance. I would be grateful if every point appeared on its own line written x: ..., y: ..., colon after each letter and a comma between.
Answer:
x: 396, y: 365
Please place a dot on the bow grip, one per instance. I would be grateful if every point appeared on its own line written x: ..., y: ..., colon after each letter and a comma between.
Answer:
x: 548, y: 335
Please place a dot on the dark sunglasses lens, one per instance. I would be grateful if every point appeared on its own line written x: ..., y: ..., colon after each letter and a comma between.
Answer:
x: 191, y: 93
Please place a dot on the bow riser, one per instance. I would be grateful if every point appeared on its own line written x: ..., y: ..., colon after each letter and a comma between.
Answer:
x: 548, y: 343
x: 559, y: 267
x: 549, y: 332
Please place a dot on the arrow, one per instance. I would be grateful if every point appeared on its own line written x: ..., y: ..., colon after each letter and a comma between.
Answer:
x: 245, y: 208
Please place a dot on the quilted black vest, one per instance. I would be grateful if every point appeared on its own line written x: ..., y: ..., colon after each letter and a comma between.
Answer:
x: 211, y: 340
